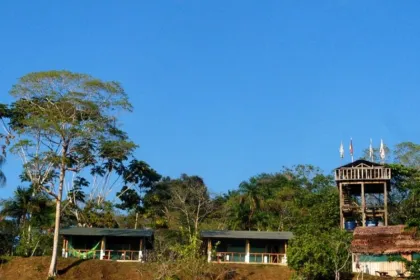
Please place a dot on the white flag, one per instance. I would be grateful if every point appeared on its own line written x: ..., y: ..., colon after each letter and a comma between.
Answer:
x: 382, y: 151
x: 371, y: 151
x: 341, y: 150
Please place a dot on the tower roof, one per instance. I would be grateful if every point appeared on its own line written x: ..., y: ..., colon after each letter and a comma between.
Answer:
x: 360, y: 163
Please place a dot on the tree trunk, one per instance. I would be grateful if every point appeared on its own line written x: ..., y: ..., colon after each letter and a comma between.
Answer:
x: 137, y: 218
x: 197, y: 217
x: 53, y: 265
x: 29, y: 218
x: 28, y: 241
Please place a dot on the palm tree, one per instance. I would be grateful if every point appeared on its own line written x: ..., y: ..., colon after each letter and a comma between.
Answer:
x: 18, y: 207
x: 252, y: 197
x: 26, y: 207
x: 28, y: 210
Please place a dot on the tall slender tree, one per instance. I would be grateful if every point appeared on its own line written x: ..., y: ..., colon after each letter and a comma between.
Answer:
x: 66, y: 122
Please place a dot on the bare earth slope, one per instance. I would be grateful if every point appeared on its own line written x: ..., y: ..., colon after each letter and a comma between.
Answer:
x: 37, y: 267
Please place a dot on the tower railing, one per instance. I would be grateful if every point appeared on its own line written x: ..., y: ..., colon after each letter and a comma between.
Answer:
x: 362, y: 173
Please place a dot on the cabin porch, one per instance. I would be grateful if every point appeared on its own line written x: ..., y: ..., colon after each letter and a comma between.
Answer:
x: 246, y: 247
x: 107, y: 244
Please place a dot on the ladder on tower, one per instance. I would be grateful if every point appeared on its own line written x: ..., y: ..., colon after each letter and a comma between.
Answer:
x: 348, y: 204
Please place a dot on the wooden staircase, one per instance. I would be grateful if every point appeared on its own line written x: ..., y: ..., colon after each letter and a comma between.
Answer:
x: 348, y: 205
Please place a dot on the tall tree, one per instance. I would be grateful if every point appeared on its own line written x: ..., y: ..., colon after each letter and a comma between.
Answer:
x: 408, y: 154
x: 404, y: 199
x: 252, y: 198
x: 64, y: 122
x: 376, y: 154
x: 138, y: 179
x: 155, y: 202
x: 190, y: 199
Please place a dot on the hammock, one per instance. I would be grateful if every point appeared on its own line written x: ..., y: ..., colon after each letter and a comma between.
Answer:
x: 83, y: 255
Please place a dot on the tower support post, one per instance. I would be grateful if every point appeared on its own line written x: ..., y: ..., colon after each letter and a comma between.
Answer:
x: 363, y: 205
x: 341, y: 206
x: 385, y: 205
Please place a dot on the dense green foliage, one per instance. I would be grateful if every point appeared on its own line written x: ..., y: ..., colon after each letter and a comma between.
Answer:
x: 322, y: 255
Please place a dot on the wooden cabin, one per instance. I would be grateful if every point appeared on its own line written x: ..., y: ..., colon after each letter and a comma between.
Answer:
x: 372, y: 246
x: 363, y: 188
x: 246, y: 246
x: 107, y: 243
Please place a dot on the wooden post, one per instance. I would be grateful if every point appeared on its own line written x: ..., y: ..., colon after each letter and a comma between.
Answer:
x: 363, y: 205
x: 285, y: 252
x: 102, y: 254
x: 209, y: 250
x: 63, y: 251
x: 67, y: 249
x: 341, y: 206
x: 141, y: 249
x: 385, y: 204
x: 247, y: 249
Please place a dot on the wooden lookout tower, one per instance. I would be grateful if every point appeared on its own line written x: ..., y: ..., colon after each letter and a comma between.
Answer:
x: 364, y: 188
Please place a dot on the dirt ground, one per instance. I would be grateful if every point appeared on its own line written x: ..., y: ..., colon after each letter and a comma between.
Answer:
x: 37, y: 268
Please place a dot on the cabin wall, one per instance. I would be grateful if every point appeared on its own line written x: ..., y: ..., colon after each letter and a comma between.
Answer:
x: 228, y: 245
x: 84, y: 242
x: 267, y: 246
x: 123, y: 243
x: 371, y: 267
x: 377, y: 264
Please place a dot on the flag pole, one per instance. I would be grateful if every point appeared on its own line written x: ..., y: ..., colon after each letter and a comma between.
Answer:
x: 382, y: 152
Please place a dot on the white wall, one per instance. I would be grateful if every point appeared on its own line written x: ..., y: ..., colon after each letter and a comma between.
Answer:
x: 371, y: 267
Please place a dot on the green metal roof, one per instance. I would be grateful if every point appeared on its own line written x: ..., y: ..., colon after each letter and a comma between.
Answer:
x: 235, y: 234
x: 106, y: 232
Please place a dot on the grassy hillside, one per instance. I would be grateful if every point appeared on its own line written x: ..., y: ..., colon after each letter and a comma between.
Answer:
x: 36, y: 268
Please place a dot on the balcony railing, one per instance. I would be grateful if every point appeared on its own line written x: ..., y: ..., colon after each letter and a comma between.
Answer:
x: 229, y: 257
x: 108, y: 254
x: 127, y: 255
x: 271, y: 258
x: 364, y: 173
x: 239, y: 257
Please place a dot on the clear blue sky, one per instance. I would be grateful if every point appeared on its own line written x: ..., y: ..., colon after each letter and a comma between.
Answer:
x: 229, y: 89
